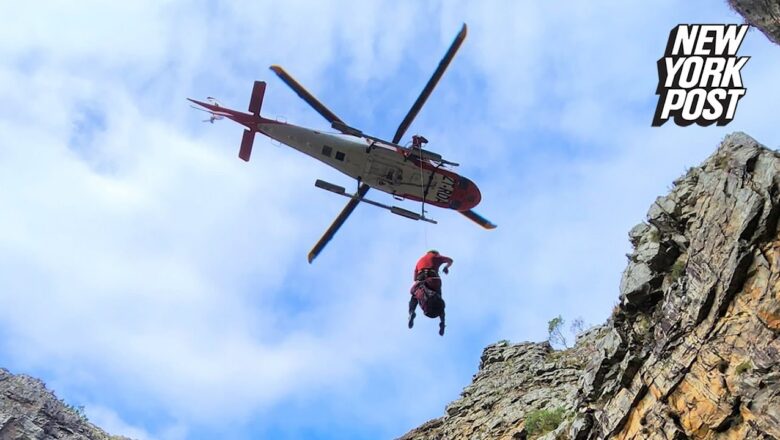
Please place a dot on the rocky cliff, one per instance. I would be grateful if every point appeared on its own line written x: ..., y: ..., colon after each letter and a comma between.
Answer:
x: 29, y: 411
x: 763, y: 14
x: 692, y: 349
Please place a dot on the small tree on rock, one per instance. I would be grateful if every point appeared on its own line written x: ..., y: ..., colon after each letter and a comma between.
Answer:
x: 554, y: 327
x: 577, y: 327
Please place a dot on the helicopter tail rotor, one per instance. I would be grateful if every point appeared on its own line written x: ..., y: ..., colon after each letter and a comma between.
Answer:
x: 250, y: 121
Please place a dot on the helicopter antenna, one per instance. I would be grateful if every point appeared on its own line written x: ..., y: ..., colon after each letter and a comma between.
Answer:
x: 212, y: 116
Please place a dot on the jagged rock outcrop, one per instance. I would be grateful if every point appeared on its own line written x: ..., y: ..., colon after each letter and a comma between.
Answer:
x: 691, y: 351
x: 697, y: 331
x: 513, y: 381
x: 763, y: 14
x: 28, y: 411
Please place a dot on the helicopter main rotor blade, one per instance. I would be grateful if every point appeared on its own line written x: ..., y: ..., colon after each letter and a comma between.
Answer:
x: 431, y: 84
x: 305, y: 95
x: 478, y: 219
x: 351, y: 205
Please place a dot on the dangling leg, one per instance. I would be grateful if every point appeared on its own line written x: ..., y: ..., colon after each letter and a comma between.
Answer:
x: 412, y: 308
x: 441, y: 319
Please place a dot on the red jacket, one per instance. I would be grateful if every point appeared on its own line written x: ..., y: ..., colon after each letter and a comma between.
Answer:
x: 431, y: 261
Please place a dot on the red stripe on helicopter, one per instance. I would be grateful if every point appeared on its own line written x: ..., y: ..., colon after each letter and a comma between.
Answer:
x: 454, y: 192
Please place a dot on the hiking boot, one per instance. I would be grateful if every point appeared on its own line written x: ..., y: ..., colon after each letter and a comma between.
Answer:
x: 411, y: 319
x: 441, y: 329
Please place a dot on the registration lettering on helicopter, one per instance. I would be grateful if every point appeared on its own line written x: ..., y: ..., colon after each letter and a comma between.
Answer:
x: 444, y: 189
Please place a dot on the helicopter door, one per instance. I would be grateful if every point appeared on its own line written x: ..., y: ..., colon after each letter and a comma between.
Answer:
x: 385, y: 174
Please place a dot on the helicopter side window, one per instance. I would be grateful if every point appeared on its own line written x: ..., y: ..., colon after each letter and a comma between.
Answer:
x: 326, y: 150
x: 393, y: 176
x: 340, y: 156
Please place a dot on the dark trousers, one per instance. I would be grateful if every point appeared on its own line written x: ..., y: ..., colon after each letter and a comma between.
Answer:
x: 413, y: 305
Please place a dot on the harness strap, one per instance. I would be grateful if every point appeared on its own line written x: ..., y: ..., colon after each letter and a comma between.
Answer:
x: 427, y: 272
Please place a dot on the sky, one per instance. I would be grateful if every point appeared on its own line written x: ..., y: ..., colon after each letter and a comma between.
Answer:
x: 149, y: 275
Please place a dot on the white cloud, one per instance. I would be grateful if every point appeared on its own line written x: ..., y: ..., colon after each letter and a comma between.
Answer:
x: 111, y: 422
x: 137, y: 250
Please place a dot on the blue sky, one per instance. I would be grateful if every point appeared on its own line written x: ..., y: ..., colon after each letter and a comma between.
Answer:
x: 151, y: 276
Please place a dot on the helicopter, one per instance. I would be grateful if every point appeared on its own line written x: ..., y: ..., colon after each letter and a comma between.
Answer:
x: 406, y: 172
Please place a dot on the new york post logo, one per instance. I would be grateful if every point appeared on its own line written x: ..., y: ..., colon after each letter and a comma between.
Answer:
x: 699, y: 78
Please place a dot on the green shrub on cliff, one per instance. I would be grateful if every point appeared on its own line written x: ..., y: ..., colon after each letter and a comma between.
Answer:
x: 543, y: 421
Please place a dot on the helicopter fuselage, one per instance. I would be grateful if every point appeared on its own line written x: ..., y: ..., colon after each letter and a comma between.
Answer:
x: 381, y: 165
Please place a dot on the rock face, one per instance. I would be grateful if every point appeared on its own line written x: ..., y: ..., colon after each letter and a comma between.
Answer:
x: 763, y: 14
x: 691, y: 351
x: 29, y: 411
x: 513, y: 381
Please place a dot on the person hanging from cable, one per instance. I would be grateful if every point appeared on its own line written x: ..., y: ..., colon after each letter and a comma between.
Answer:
x: 426, y: 290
